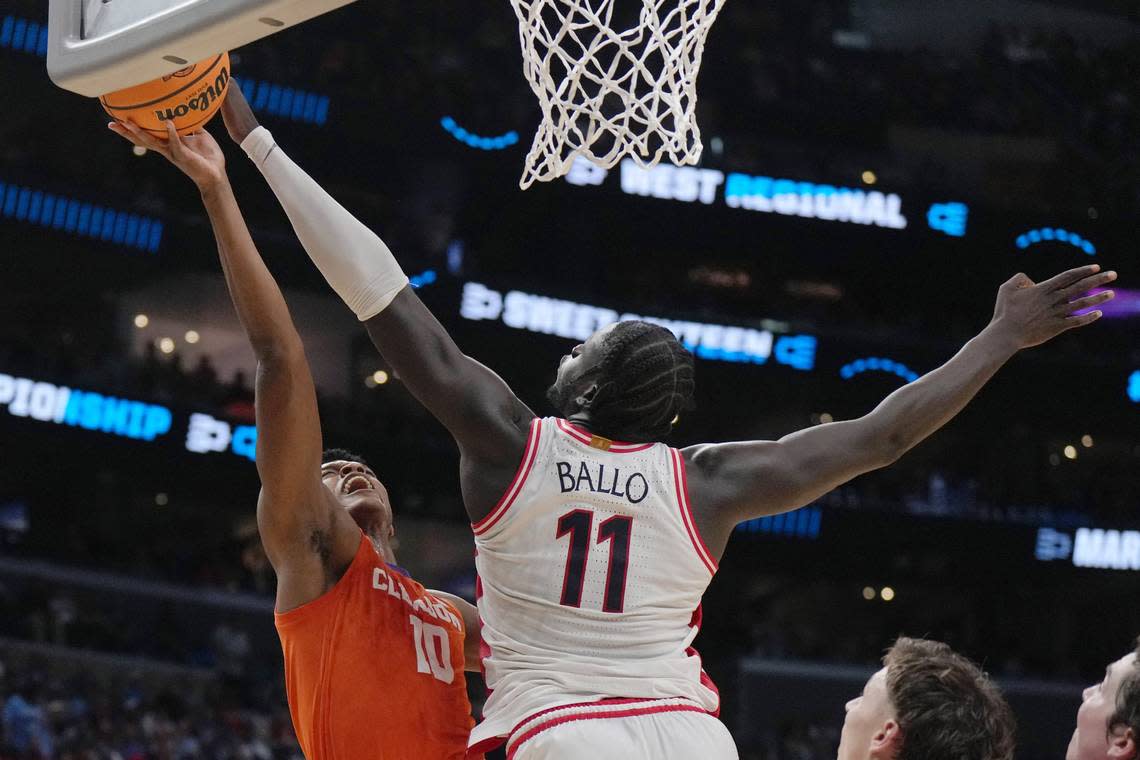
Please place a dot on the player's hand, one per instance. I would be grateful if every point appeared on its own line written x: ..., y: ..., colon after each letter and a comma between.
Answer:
x: 237, y: 114
x: 1029, y: 313
x: 198, y: 155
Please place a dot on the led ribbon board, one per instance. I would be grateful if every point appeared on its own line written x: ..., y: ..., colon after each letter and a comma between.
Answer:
x: 24, y: 35
x: 876, y: 364
x: 475, y: 141
x: 126, y: 418
x: 802, y: 523
x: 1090, y: 548
x: 286, y: 102
x: 60, y: 405
x: 1054, y: 234
x: 57, y: 212
x: 566, y: 319
x: 785, y: 197
x: 1134, y: 387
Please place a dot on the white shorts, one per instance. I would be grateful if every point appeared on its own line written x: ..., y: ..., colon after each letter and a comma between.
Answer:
x: 659, y: 729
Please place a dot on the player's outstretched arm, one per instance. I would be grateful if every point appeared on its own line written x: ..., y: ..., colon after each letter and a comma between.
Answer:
x: 739, y: 481
x: 303, y: 532
x: 487, y: 420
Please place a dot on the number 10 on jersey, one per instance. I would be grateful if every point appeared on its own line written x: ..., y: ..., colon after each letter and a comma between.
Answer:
x: 579, y: 526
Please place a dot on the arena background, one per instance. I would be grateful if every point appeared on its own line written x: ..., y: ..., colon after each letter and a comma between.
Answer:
x: 135, y: 600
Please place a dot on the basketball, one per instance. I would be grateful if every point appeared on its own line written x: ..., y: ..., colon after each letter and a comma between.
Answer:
x: 189, y: 97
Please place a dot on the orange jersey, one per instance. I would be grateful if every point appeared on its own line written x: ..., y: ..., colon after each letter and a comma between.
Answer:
x: 374, y: 668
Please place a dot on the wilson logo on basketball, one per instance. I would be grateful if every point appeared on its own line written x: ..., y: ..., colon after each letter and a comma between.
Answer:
x: 181, y: 72
x: 200, y: 101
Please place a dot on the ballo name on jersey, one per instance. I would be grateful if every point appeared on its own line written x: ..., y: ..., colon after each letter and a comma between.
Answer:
x: 383, y: 580
x: 1091, y: 547
x: 773, y: 195
x: 85, y: 409
x: 633, y: 487
x: 567, y: 319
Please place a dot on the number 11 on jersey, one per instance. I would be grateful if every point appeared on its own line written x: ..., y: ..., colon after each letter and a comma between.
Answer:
x: 578, y: 525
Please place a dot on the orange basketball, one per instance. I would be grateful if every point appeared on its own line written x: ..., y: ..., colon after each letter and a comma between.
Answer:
x: 188, y: 97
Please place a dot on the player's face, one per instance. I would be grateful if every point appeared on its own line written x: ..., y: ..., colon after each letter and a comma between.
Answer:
x: 357, y: 489
x: 1091, y: 740
x: 870, y: 726
x: 581, y: 359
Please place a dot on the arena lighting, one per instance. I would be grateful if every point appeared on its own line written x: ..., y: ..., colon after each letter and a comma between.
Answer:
x: 138, y: 150
x: 877, y: 364
x: 24, y: 35
x: 1070, y: 452
x: 166, y: 345
x: 1057, y: 234
x: 869, y: 177
x: 25, y: 204
x: 286, y: 102
x: 868, y: 593
x: 192, y: 336
x: 161, y: 499
x: 60, y: 405
x: 380, y: 377
x: 1134, y: 386
x: 802, y: 523
x: 1091, y: 547
x: 472, y: 140
x: 1126, y: 304
x: 566, y: 319
x: 1087, y: 441
x: 141, y: 321
x: 888, y: 594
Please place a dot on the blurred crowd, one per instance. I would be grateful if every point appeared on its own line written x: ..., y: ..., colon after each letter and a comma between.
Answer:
x: 54, y: 712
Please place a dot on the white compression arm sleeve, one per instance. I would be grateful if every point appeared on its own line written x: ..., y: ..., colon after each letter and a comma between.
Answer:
x: 353, y: 259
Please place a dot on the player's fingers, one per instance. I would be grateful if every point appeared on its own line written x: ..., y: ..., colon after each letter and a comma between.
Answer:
x: 1017, y: 282
x: 177, y: 149
x: 146, y: 139
x: 1067, y: 278
x: 1084, y: 303
x: 1082, y: 320
x: 132, y: 132
x: 124, y: 133
x: 1085, y: 285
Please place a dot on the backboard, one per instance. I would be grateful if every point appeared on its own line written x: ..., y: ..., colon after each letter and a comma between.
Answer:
x: 98, y: 46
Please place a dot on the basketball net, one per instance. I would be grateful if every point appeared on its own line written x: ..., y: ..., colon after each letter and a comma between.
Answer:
x: 607, y: 93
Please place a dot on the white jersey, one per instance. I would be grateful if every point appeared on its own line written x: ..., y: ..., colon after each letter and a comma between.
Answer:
x: 590, y: 577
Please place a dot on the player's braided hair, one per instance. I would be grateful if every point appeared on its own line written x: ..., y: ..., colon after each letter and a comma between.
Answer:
x: 645, y: 379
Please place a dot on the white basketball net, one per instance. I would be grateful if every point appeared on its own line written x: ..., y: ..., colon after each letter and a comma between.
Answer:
x: 607, y: 93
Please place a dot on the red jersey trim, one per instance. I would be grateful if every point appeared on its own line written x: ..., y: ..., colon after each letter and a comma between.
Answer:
x: 623, y: 709
x: 516, y: 485
x: 585, y: 436
x: 681, y: 482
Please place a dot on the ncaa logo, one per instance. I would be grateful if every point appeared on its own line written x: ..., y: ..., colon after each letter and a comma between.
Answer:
x: 949, y: 218
x: 1052, y: 544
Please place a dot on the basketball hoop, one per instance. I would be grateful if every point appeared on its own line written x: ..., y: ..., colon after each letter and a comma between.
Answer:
x: 606, y: 93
